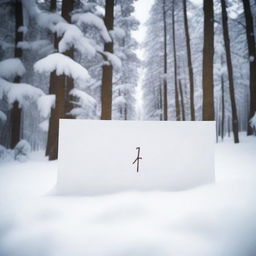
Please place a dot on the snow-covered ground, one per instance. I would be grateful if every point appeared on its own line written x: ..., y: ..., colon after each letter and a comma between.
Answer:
x: 217, y: 219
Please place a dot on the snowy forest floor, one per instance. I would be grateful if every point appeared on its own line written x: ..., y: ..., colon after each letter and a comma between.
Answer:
x: 216, y: 219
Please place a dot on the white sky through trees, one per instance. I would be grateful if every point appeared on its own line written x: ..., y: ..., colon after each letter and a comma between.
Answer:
x: 142, y: 9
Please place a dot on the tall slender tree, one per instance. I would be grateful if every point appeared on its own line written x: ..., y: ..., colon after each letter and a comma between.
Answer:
x: 165, y: 90
x: 15, y: 115
x: 67, y: 7
x: 230, y: 70
x: 177, y: 104
x: 208, y: 54
x: 52, y: 125
x: 60, y: 86
x: 222, y: 106
x: 189, y: 60
x: 252, y: 59
x: 107, y: 69
x: 182, y: 104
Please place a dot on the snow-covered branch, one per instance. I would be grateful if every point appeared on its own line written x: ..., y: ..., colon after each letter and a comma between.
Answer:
x: 62, y: 65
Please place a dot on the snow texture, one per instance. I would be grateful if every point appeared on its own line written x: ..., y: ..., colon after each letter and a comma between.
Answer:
x: 118, y: 33
x: 5, y: 155
x: 119, y: 101
x: 44, y: 125
x: 3, y: 117
x: 10, y: 68
x: 84, y: 99
x: 114, y: 143
x: 20, y: 92
x: 45, y: 103
x: 21, y: 150
x: 212, y: 220
x: 113, y: 60
x: 72, y: 37
x: 253, y: 121
x: 92, y: 20
x: 62, y: 65
x: 46, y: 20
x: 23, y: 29
x: 33, y: 45
x: 87, y: 105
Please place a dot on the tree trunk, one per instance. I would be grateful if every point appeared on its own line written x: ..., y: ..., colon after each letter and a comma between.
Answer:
x: 230, y: 70
x: 60, y: 86
x: 177, y: 104
x: 222, y: 106
x: 182, y: 101
x: 57, y: 113
x: 189, y: 59
x: 15, y: 113
x: 67, y: 8
x: 165, y: 103
x: 161, y: 102
x: 208, y: 53
x: 252, y: 59
x: 107, y: 70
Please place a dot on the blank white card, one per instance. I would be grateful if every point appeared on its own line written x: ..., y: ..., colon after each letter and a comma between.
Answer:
x: 101, y: 157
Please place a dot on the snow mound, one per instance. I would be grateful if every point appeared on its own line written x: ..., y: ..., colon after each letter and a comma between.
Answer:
x: 45, y: 103
x: 44, y: 125
x: 33, y: 45
x: 118, y: 33
x: 21, y: 92
x: 10, y: 68
x: 119, y: 101
x: 72, y: 37
x: 87, y: 104
x: 92, y: 20
x: 22, y: 150
x: 253, y: 121
x: 62, y: 65
x: 3, y: 117
x: 113, y: 60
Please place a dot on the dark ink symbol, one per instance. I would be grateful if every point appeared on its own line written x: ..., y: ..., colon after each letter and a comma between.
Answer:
x: 137, y: 159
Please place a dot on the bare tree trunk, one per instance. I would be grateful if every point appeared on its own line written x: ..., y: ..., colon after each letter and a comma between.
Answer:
x: 189, y: 59
x: 15, y: 113
x: 230, y: 70
x: 222, y: 106
x: 161, y: 102
x: 252, y: 59
x: 208, y: 53
x: 165, y: 103
x: 177, y: 104
x: 107, y: 70
x: 182, y: 101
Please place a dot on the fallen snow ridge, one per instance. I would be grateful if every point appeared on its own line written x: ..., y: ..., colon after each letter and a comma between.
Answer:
x: 212, y: 220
